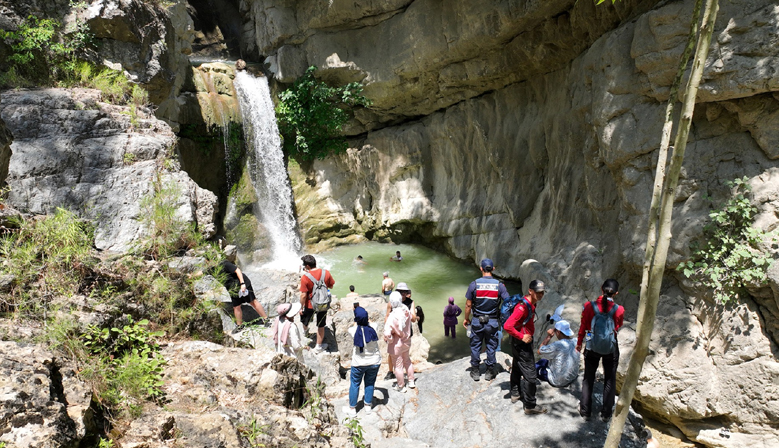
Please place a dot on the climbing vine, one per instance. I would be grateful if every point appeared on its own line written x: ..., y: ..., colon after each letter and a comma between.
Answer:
x: 729, y: 257
x: 311, y: 116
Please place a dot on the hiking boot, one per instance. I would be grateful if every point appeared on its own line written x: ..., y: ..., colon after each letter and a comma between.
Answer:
x: 238, y: 328
x: 475, y: 375
x: 515, y: 397
x: 535, y: 411
x: 491, y: 374
x: 583, y: 414
x: 605, y: 418
x: 390, y: 376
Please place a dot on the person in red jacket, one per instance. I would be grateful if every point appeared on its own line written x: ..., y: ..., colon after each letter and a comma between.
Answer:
x: 604, y: 303
x: 521, y: 327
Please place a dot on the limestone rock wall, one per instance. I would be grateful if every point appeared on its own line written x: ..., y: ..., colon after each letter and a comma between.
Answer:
x: 553, y: 160
x: 75, y: 152
x: 5, y: 151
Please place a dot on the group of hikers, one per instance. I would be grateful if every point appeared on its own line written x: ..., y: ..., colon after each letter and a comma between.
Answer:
x: 489, y: 310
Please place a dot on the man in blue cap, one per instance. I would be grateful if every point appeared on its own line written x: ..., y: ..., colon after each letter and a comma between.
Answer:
x: 483, y: 298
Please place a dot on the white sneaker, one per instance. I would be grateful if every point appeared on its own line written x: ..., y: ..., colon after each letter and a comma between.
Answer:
x: 368, y: 408
x: 412, y: 384
x: 349, y: 412
x: 320, y: 348
x: 399, y: 389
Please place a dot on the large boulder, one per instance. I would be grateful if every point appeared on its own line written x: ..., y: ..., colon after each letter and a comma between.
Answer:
x: 75, y: 152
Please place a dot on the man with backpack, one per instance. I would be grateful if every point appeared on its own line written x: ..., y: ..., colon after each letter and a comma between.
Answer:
x: 601, y: 320
x: 315, y: 298
x: 520, y: 326
x: 483, y: 298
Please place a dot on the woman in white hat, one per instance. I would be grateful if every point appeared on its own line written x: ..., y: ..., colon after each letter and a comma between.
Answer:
x: 560, y: 365
x: 397, y: 335
x: 286, y: 336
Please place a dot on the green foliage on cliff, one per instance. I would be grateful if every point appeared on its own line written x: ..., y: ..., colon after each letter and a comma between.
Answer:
x: 43, y: 51
x: 53, y: 253
x: 311, y: 116
x: 729, y: 257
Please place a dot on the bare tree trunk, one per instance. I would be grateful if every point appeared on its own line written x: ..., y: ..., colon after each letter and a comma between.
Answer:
x: 655, y: 257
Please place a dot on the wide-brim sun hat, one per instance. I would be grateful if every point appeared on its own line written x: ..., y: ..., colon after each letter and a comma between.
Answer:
x: 402, y: 286
x: 294, y: 310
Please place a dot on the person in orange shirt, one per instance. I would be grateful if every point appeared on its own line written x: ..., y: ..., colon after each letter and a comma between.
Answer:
x: 306, y: 288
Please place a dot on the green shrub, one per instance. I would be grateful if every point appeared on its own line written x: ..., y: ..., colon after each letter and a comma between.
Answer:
x: 311, y: 116
x: 729, y: 257
x: 54, y: 252
x: 166, y: 233
x: 42, y: 51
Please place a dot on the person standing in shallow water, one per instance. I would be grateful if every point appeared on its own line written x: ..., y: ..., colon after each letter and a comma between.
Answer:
x: 451, y: 311
x: 397, y: 257
x: 387, y: 285
x: 484, y: 296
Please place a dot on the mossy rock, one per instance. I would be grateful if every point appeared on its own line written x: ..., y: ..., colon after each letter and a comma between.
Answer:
x: 245, y: 234
x: 243, y: 195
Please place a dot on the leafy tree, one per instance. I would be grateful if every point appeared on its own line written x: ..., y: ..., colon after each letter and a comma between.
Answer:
x: 311, y: 116
x: 661, y: 208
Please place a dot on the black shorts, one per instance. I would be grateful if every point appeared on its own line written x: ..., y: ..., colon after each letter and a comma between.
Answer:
x: 308, y: 314
x: 237, y: 301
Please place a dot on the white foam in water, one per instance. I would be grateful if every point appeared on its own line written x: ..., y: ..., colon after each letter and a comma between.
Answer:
x: 269, y: 175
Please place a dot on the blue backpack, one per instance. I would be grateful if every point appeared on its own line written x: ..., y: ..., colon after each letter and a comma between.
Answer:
x: 604, y: 338
x: 508, y: 307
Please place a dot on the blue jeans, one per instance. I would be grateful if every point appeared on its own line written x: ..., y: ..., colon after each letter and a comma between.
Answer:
x: 370, y: 373
x: 481, y: 334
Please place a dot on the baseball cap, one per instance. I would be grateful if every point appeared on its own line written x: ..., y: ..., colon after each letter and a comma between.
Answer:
x: 402, y: 286
x: 564, y: 327
x: 537, y: 286
x: 487, y: 264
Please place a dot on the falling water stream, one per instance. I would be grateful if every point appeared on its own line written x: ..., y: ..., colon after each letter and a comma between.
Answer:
x: 267, y: 170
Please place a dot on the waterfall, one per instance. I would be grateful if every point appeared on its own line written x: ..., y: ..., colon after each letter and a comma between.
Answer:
x: 267, y: 169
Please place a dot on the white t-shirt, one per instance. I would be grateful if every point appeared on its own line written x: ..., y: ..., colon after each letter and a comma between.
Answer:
x: 370, y: 355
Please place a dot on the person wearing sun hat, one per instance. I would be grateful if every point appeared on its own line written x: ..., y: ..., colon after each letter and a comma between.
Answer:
x: 560, y: 363
x: 286, y: 337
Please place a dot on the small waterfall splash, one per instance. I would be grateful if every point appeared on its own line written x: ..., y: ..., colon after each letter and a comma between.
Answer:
x: 269, y: 175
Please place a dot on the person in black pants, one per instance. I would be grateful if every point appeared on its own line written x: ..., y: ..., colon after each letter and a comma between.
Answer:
x: 240, y: 288
x: 521, y: 327
x: 604, y: 303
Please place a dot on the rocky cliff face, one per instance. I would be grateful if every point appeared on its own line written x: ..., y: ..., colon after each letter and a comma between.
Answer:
x: 5, y: 151
x: 75, y: 152
x: 495, y: 133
